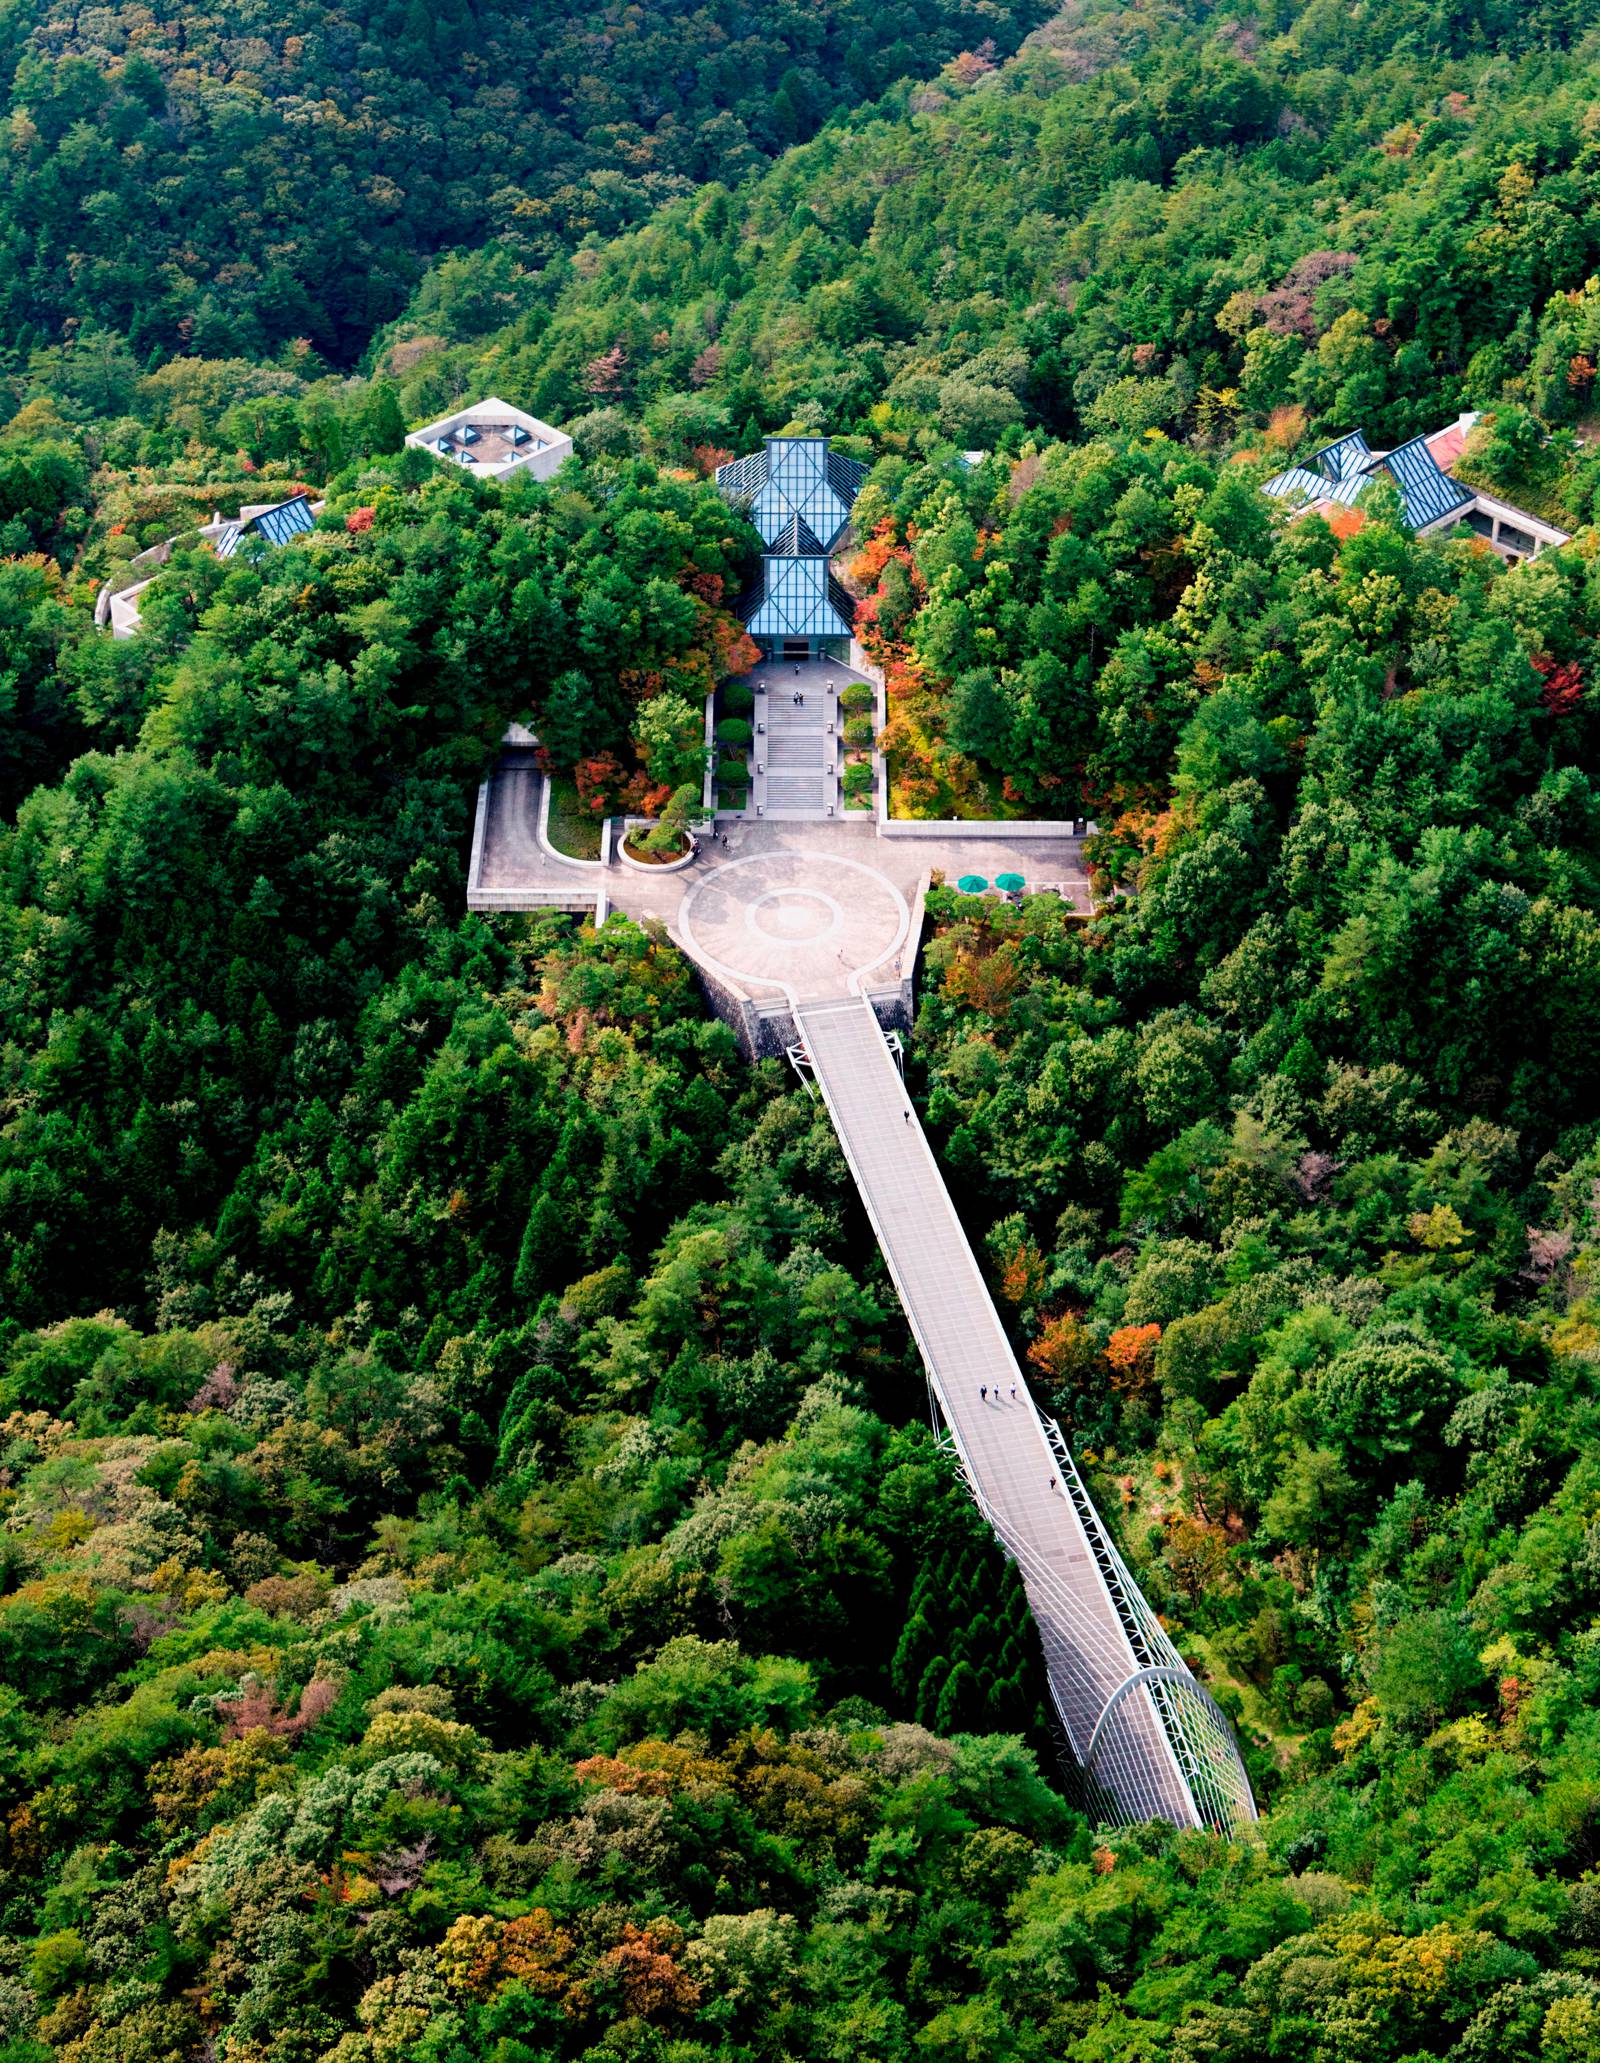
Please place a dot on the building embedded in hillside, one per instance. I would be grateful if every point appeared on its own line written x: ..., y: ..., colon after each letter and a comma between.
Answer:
x: 1331, y: 481
x: 798, y: 600
x: 273, y: 523
x: 798, y: 494
x: 495, y: 439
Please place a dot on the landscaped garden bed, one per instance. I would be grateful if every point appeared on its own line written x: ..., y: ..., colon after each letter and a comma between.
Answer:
x: 572, y: 830
x: 636, y: 850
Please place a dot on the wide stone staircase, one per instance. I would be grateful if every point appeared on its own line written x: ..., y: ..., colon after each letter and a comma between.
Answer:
x: 798, y: 744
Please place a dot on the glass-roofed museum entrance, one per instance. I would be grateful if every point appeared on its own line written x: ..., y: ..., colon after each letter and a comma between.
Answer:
x: 798, y: 494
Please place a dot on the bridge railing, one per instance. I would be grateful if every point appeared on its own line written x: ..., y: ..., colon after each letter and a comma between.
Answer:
x: 1115, y: 1759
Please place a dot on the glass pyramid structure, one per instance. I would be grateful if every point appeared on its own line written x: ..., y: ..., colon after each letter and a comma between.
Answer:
x: 798, y: 494
x: 794, y: 477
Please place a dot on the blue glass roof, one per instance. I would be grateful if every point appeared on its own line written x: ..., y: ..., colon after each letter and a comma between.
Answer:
x: 1427, y: 490
x: 287, y: 520
x: 1344, y: 456
x: 1340, y: 471
x: 798, y: 598
x: 275, y: 525
x: 795, y: 477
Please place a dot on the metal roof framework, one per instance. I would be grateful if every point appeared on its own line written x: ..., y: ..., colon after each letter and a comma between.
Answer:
x: 274, y: 526
x: 1341, y: 471
x: 795, y: 477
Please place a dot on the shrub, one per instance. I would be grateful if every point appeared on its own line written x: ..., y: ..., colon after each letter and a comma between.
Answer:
x: 858, y: 730
x: 734, y: 730
x: 738, y: 698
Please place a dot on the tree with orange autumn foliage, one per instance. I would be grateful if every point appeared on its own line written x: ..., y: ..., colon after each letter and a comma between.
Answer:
x: 1064, y: 1347
x: 1131, y: 1356
x: 481, y: 1954
x: 985, y: 981
x: 640, y: 1976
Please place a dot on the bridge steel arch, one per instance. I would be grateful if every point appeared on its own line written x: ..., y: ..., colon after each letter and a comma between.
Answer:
x: 1149, y: 1740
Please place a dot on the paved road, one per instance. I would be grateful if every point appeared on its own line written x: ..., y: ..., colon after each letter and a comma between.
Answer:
x: 515, y: 871
x: 1007, y: 1453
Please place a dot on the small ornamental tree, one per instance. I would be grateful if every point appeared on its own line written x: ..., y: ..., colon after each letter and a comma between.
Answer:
x: 858, y: 730
x: 671, y: 835
x: 857, y: 780
x: 738, y: 698
x: 1131, y: 1351
x: 734, y: 730
x: 859, y: 695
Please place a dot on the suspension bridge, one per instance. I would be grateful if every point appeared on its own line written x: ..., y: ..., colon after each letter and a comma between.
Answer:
x: 1150, y: 1741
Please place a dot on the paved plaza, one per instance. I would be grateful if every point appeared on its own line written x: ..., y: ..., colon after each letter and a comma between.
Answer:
x: 797, y: 921
x: 781, y: 909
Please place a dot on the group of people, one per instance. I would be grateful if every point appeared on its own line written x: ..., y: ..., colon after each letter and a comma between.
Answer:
x: 983, y: 1387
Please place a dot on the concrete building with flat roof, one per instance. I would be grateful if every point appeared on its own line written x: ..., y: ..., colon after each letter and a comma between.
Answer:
x: 494, y: 439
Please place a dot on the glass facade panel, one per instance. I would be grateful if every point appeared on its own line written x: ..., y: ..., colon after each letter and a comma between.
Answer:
x: 793, y: 477
x: 796, y: 602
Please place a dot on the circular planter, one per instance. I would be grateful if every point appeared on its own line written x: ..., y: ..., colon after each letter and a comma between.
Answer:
x: 654, y: 866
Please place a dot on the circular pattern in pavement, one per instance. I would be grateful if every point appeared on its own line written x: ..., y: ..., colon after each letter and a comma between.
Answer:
x: 794, y: 916
x: 799, y: 921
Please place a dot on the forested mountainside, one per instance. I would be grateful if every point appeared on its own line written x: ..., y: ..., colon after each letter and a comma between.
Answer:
x: 1158, y: 216
x: 223, y: 181
x: 475, y: 1582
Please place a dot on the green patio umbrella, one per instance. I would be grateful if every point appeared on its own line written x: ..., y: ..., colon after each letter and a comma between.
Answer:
x: 972, y: 884
x: 1009, y: 882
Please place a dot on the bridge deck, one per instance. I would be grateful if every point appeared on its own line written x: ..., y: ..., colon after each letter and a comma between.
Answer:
x: 1002, y: 1443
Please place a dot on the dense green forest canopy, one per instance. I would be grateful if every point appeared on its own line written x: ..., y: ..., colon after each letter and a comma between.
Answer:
x: 225, y: 181
x: 474, y: 1582
x: 1159, y: 216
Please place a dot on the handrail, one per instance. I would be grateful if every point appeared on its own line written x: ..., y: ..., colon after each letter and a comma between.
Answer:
x: 1159, y: 1746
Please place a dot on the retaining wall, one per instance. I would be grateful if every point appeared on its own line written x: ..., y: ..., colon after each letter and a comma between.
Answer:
x: 766, y: 1030
x: 982, y: 827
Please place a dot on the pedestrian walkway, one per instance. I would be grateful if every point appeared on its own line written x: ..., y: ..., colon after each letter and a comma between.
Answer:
x: 1153, y: 1745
